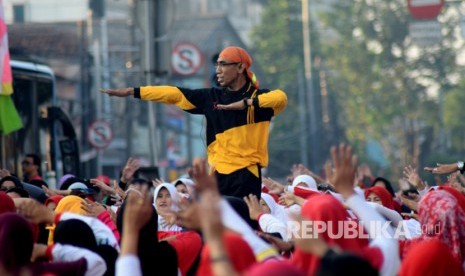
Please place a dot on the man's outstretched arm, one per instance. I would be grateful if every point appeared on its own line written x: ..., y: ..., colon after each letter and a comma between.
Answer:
x: 119, y: 92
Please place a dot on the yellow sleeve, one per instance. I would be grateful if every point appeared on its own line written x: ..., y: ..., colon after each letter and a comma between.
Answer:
x: 166, y: 94
x: 275, y: 99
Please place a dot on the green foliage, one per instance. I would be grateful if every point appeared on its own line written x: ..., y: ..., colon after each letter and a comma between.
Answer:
x: 382, y: 78
x: 454, y: 118
x: 278, y: 48
x: 380, y: 84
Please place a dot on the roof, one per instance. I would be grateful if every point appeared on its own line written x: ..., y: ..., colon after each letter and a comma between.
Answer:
x: 44, y: 40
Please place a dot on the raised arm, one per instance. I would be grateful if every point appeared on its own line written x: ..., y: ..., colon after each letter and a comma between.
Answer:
x: 446, y: 168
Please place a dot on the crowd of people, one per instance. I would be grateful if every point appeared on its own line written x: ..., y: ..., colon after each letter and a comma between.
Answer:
x: 225, y: 218
x: 312, y: 225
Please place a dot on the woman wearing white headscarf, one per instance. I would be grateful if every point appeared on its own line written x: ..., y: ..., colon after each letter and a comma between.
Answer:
x: 273, y: 219
x: 301, y: 182
x: 185, y: 187
x: 305, y: 181
x: 275, y: 209
x: 166, y: 199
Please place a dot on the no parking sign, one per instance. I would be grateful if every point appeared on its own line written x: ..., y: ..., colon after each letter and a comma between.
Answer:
x: 186, y: 59
x: 99, y: 134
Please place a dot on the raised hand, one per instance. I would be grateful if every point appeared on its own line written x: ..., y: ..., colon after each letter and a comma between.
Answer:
x: 411, y: 175
x: 92, y: 208
x: 413, y: 205
x: 288, y: 199
x: 138, y: 211
x: 119, y: 92
x: 345, y: 166
x: 274, y: 187
x: 157, y: 182
x: 51, y: 192
x: 365, y: 170
x: 169, y: 219
x: 254, y: 206
x: 132, y: 165
x: 4, y: 173
x: 454, y: 181
x: 301, y: 169
x: 120, y: 194
x: 210, y: 220
x: 34, y: 211
x: 103, y: 187
x: 203, y: 180
x: 189, y: 216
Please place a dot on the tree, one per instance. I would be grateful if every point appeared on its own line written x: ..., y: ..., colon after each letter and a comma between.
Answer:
x: 278, y: 49
x: 383, y: 81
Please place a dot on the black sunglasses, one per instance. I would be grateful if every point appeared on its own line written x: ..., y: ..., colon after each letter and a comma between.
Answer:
x: 223, y: 64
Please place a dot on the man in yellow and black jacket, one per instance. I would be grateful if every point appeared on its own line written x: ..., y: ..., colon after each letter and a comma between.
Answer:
x: 238, y: 118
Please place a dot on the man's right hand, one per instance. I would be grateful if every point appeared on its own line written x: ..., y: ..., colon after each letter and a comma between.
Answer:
x: 443, y: 168
x: 119, y: 92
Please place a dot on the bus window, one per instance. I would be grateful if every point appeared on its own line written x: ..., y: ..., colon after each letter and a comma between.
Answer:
x: 47, y: 130
x: 33, y: 87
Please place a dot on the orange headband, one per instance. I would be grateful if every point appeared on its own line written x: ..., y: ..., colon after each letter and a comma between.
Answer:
x: 237, y: 54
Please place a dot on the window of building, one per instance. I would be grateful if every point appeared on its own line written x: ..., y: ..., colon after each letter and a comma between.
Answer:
x: 18, y: 13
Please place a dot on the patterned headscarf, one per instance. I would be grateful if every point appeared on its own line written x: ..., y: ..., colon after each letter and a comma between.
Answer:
x: 237, y: 54
x: 442, y: 215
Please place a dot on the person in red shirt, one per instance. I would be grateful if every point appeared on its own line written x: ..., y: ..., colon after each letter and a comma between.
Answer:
x: 31, y: 167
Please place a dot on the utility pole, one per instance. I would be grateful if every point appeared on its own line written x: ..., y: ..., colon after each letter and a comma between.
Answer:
x: 149, y: 68
x: 315, y: 145
x: 129, y: 65
x: 302, y: 120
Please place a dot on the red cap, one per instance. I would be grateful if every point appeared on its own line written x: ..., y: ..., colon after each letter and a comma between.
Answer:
x: 105, y: 179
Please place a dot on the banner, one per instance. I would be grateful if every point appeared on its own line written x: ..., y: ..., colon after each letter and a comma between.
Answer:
x: 9, y: 118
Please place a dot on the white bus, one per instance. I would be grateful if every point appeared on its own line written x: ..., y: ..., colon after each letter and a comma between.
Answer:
x: 47, y: 130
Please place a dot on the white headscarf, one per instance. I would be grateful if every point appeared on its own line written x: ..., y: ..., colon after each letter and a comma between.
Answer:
x: 175, y: 196
x: 190, y: 185
x: 277, y: 210
x: 175, y: 199
x: 307, y: 180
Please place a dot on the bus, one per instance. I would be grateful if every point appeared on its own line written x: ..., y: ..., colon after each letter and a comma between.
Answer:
x: 47, y: 130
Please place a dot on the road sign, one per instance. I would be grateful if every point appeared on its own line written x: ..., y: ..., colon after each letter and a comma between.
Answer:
x: 99, y: 134
x: 425, y: 33
x: 425, y: 9
x: 186, y: 59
